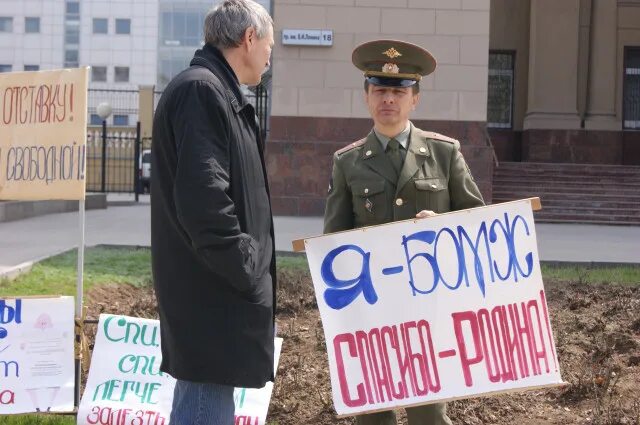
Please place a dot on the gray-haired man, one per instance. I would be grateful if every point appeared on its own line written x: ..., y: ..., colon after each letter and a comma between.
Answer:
x: 211, y: 226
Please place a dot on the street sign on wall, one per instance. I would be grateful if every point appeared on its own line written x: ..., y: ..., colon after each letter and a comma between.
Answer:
x: 307, y: 37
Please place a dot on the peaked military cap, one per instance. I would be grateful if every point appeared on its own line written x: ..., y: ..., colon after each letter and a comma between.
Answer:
x: 393, y: 63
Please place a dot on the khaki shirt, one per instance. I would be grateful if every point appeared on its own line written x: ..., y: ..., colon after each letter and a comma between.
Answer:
x: 365, y: 191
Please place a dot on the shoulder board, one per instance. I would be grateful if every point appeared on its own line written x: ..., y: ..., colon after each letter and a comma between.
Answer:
x: 351, y: 146
x: 438, y: 136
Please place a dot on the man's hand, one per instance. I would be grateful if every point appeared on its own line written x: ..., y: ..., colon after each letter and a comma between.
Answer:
x: 425, y: 214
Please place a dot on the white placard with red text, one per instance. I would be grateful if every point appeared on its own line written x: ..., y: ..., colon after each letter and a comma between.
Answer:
x: 125, y: 385
x: 437, y: 309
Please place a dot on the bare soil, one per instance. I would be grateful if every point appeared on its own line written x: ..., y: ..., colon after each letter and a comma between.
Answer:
x: 597, y: 330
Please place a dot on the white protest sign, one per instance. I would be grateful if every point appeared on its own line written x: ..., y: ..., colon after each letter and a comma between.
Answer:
x: 430, y: 310
x: 124, y: 384
x: 43, y: 134
x: 36, y: 355
x: 126, y: 387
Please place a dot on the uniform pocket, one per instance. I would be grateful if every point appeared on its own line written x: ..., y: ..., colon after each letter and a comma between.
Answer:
x: 369, y: 202
x: 432, y: 194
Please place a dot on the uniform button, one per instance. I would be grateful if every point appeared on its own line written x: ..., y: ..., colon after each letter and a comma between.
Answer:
x: 368, y: 153
x: 399, y: 202
x: 433, y: 186
x: 366, y: 191
x: 423, y: 150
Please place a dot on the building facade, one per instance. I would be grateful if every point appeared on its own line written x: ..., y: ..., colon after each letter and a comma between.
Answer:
x: 318, y: 97
x: 564, y: 81
x: 31, y: 35
x: 126, y: 43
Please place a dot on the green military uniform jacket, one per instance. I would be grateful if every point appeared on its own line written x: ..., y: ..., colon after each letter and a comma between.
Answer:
x: 365, y: 190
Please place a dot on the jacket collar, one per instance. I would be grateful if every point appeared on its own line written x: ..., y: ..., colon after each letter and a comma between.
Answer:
x: 213, y: 59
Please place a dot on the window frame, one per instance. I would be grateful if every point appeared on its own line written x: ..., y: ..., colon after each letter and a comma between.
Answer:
x: 32, y: 19
x: 512, y: 53
x: 94, y: 68
x: 120, y: 116
x: 93, y: 26
x: 115, y: 74
x: 625, y: 67
x: 8, y: 19
x: 120, y: 20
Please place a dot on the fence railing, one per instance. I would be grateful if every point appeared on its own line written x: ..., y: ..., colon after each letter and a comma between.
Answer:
x: 114, y: 159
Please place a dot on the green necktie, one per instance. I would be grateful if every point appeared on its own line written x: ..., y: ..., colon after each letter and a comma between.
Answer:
x: 395, y: 155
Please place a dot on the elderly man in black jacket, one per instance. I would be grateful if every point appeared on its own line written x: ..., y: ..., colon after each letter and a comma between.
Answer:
x: 212, y: 242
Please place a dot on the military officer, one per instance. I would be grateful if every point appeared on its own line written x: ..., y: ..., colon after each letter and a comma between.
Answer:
x: 397, y: 171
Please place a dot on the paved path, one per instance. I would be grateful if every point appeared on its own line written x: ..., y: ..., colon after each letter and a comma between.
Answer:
x: 127, y: 223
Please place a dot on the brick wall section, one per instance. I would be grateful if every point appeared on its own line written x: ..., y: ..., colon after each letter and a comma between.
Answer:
x: 507, y: 144
x: 573, y: 146
x: 300, y: 149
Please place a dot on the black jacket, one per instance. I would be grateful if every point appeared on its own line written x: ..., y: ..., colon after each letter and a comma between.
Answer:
x: 212, y: 244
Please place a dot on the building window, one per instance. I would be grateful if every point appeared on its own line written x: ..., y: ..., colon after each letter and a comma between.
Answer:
x: 181, y: 28
x: 99, y: 74
x: 95, y: 119
x: 73, y: 8
x: 100, y: 25
x: 121, y: 74
x: 71, y: 35
x: 31, y: 25
x: 123, y: 26
x: 500, y: 92
x: 71, y: 56
x: 121, y: 119
x: 6, y: 24
x: 5, y: 68
x: 32, y: 67
x: 631, y: 89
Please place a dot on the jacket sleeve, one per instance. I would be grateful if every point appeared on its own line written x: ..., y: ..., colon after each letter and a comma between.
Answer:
x: 463, y: 191
x: 338, y: 214
x: 201, y: 188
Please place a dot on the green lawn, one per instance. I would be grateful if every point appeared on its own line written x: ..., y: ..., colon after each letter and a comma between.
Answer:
x: 628, y: 275
x: 38, y: 420
x: 57, y: 275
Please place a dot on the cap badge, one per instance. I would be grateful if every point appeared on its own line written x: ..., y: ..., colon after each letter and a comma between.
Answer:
x: 390, y: 68
x: 392, y: 53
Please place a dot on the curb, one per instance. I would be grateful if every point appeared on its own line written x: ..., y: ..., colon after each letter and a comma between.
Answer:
x: 12, y: 272
x: 18, y: 210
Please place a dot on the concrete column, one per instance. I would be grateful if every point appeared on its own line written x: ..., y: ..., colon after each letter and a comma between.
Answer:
x: 553, y: 65
x: 145, y: 110
x: 601, y: 103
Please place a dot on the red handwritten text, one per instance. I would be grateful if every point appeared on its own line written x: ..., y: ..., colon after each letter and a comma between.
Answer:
x: 112, y: 416
x: 408, y: 345
x: 37, y: 104
x: 509, y: 340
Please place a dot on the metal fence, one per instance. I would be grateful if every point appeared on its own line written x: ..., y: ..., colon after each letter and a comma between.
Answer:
x: 124, y: 103
x: 113, y: 160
